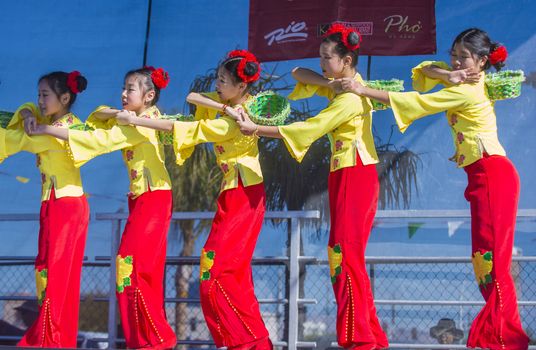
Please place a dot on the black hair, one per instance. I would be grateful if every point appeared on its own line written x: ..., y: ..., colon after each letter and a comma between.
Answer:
x: 57, y: 81
x: 231, y: 65
x: 146, y: 82
x: 478, y: 43
x: 340, y: 49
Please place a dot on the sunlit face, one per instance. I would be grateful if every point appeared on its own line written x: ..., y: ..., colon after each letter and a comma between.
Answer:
x: 133, y: 97
x: 462, y: 58
x: 331, y: 64
x: 227, y: 88
x: 50, y: 104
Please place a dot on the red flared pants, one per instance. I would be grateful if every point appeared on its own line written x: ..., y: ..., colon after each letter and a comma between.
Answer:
x: 493, y: 192
x: 62, y: 239
x: 228, y: 299
x: 353, y: 199
x: 140, y: 272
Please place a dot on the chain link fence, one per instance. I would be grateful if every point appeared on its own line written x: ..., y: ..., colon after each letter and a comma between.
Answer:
x: 445, y: 289
x: 412, y: 295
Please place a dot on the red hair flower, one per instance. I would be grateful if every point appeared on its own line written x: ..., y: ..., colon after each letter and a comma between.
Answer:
x: 350, y: 37
x: 335, y: 28
x: 245, y: 58
x: 498, y: 55
x: 72, y: 83
x: 242, y: 53
x: 159, y: 77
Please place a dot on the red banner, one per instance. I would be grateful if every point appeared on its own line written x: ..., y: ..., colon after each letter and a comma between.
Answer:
x: 291, y: 29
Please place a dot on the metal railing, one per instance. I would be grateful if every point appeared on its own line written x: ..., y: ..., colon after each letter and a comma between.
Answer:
x: 293, y: 218
x: 294, y: 262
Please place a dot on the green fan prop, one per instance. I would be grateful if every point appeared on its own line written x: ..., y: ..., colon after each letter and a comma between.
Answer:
x: 81, y: 126
x: 504, y: 85
x: 394, y: 85
x: 166, y: 137
x: 268, y: 108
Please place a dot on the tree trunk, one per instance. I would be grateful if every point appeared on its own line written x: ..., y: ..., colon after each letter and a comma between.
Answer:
x: 182, y: 281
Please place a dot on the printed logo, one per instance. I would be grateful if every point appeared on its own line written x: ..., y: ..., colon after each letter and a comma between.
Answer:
x: 295, y: 31
x: 365, y: 28
x: 398, y: 26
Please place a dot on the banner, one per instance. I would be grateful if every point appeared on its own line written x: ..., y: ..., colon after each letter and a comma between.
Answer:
x: 292, y: 29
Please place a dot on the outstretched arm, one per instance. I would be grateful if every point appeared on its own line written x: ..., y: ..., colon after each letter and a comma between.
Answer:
x: 43, y: 129
x: 459, y: 76
x: 30, y: 120
x: 269, y: 131
x: 248, y: 127
x: 350, y: 85
x: 129, y: 118
x: 308, y: 76
x: 200, y: 100
x: 106, y: 113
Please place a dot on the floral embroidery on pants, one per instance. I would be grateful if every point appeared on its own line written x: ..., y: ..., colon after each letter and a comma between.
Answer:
x: 124, y: 271
x: 483, y: 264
x: 335, y: 260
x: 207, y: 261
x: 41, y: 279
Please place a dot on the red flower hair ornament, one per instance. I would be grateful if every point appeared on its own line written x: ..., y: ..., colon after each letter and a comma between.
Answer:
x: 72, y: 83
x: 498, y: 55
x: 350, y: 37
x: 159, y: 77
x: 242, y: 70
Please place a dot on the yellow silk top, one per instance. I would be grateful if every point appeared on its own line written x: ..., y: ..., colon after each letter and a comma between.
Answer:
x: 236, y: 154
x: 470, y: 113
x: 142, y: 152
x: 53, y: 159
x: 347, y: 120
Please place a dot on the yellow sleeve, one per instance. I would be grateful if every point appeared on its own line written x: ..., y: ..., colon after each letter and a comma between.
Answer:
x: 96, y: 123
x: 202, y: 112
x: 186, y: 135
x: 302, y: 91
x: 299, y: 136
x: 17, y: 141
x: 86, y: 145
x: 3, y: 153
x: 410, y: 106
x: 423, y: 83
x: 17, y: 122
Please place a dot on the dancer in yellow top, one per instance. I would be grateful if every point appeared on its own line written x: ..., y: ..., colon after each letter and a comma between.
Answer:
x: 493, y: 188
x: 353, y: 181
x: 64, y: 211
x: 141, y: 258
x: 228, y: 298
